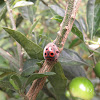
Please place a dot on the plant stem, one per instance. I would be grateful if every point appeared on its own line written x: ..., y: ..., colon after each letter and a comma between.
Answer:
x: 44, y: 3
x: 67, y: 23
x: 14, y: 27
x: 92, y: 57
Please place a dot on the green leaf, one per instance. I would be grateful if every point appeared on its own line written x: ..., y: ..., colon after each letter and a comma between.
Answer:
x: 98, y: 33
x: 57, y: 18
x: 30, y: 66
x: 33, y: 50
x: 22, y: 4
x: 19, y: 19
x: 58, y: 81
x: 93, y: 17
x: 78, y: 25
x: 16, y: 81
x: 13, y: 84
x: 33, y: 26
x: 3, y: 95
x: 77, y: 32
x: 28, y: 12
x: 83, y: 24
x: 9, y: 57
x: 5, y: 74
x: 37, y: 76
x: 71, y: 58
x: 59, y: 11
x: 6, y: 85
x: 4, y: 10
x: 73, y: 71
x: 40, y: 95
x: 2, y: 69
x: 34, y: 1
x: 75, y: 42
x: 97, y: 1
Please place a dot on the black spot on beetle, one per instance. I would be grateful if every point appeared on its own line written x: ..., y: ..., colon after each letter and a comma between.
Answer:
x: 57, y: 51
x: 52, y: 53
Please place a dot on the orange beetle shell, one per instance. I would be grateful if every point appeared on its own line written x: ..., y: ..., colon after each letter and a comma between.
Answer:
x: 51, y: 52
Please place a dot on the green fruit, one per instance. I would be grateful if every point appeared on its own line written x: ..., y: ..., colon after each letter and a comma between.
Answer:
x: 97, y: 69
x: 82, y: 88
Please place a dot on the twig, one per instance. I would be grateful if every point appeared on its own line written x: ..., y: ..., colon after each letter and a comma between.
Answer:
x: 60, y: 1
x: 44, y: 3
x: 56, y: 3
x: 92, y: 57
x: 71, y: 9
x: 14, y: 27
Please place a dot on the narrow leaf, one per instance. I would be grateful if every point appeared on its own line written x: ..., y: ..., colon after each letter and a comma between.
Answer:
x: 73, y: 71
x: 98, y: 33
x: 77, y: 32
x: 83, y: 24
x: 5, y: 74
x: 13, y: 84
x: 33, y: 50
x: 28, y: 12
x: 3, y: 95
x: 22, y: 4
x: 6, y: 84
x: 59, y: 11
x: 71, y: 58
x: 75, y: 42
x: 58, y: 81
x: 57, y: 18
x: 9, y: 57
x: 4, y: 10
x: 2, y: 69
x: 97, y: 1
x: 19, y: 19
x: 16, y: 80
x: 37, y: 76
x: 33, y: 26
x: 78, y: 25
x: 30, y: 66
x: 93, y: 17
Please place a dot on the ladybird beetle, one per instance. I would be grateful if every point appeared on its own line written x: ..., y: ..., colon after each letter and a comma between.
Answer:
x: 51, y: 52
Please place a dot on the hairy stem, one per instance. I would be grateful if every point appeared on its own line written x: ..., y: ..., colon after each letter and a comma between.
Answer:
x: 44, y: 3
x: 14, y: 27
x: 67, y: 23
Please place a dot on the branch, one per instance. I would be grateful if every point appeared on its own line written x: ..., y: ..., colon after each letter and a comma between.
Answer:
x: 67, y: 23
x: 14, y: 27
x: 65, y: 28
x: 44, y: 3
x: 37, y: 85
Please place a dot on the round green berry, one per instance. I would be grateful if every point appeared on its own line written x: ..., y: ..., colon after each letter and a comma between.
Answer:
x: 82, y: 88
